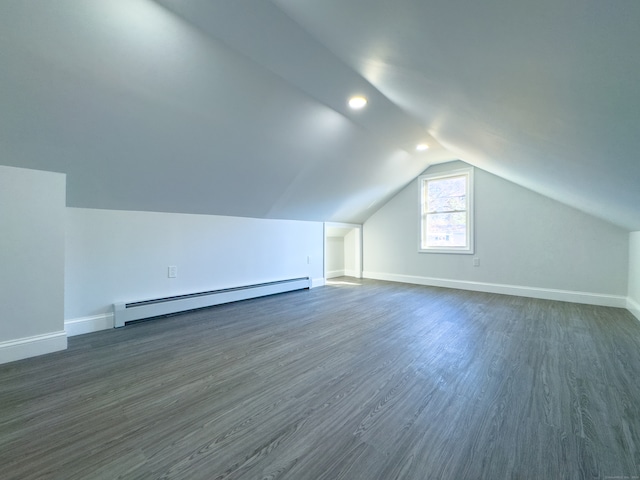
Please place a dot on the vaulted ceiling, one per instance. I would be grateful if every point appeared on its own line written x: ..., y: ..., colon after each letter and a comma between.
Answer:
x: 239, y: 107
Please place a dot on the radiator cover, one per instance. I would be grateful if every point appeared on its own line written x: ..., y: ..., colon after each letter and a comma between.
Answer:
x: 127, y: 312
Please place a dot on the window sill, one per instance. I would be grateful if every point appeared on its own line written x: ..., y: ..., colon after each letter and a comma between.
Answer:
x: 446, y: 250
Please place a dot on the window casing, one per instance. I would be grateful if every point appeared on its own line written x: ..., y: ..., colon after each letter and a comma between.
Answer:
x: 446, y: 212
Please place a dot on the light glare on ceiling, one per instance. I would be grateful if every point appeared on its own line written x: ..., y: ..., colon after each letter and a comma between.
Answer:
x: 357, y: 102
x: 421, y: 147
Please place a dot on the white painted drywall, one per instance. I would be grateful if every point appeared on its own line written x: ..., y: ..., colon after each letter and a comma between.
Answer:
x: 522, y: 239
x: 32, y: 222
x: 335, y: 257
x: 633, y: 303
x: 122, y: 256
x: 352, y: 253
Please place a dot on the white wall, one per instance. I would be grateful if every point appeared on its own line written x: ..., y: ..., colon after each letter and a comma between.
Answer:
x: 633, y: 302
x: 32, y: 206
x: 352, y: 253
x: 120, y: 256
x: 527, y: 245
x: 335, y: 257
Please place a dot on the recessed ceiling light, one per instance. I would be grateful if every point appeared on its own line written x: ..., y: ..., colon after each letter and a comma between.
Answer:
x: 421, y: 147
x: 357, y: 102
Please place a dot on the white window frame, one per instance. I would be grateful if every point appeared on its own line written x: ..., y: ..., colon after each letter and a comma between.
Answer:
x: 422, y: 183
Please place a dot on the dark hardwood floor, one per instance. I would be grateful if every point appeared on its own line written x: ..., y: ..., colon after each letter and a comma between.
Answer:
x: 356, y: 380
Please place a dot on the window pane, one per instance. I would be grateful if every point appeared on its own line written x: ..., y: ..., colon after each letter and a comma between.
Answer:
x: 445, y: 195
x: 447, y: 204
x: 446, y: 230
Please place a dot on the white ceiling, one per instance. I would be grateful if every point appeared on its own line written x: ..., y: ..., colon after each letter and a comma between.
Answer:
x: 239, y: 107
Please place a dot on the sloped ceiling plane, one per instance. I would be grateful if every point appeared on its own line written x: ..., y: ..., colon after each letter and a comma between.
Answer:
x: 240, y: 107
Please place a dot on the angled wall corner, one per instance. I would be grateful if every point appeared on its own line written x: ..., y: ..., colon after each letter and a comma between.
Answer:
x: 343, y: 250
x: 32, y: 222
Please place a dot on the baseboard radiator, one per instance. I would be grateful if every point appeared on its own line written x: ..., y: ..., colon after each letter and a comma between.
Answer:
x: 128, y: 312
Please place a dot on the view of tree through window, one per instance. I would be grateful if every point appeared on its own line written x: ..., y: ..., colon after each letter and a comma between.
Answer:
x: 445, y: 212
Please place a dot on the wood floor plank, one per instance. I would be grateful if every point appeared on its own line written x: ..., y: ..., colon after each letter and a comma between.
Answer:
x: 360, y: 379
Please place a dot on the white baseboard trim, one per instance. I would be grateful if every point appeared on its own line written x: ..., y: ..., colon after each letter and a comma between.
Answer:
x: 604, y: 300
x: 633, y: 307
x: 94, y: 323
x: 352, y: 273
x: 334, y: 274
x: 21, y: 348
x: 105, y: 321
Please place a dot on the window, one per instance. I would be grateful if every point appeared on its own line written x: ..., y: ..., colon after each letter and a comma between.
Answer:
x: 446, y: 220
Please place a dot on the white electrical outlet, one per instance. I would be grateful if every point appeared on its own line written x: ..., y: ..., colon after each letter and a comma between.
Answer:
x: 476, y: 262
x: 308, y: 259
x: 172, y: 271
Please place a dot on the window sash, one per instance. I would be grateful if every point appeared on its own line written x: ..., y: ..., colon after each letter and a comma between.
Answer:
x: 452, y: 210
